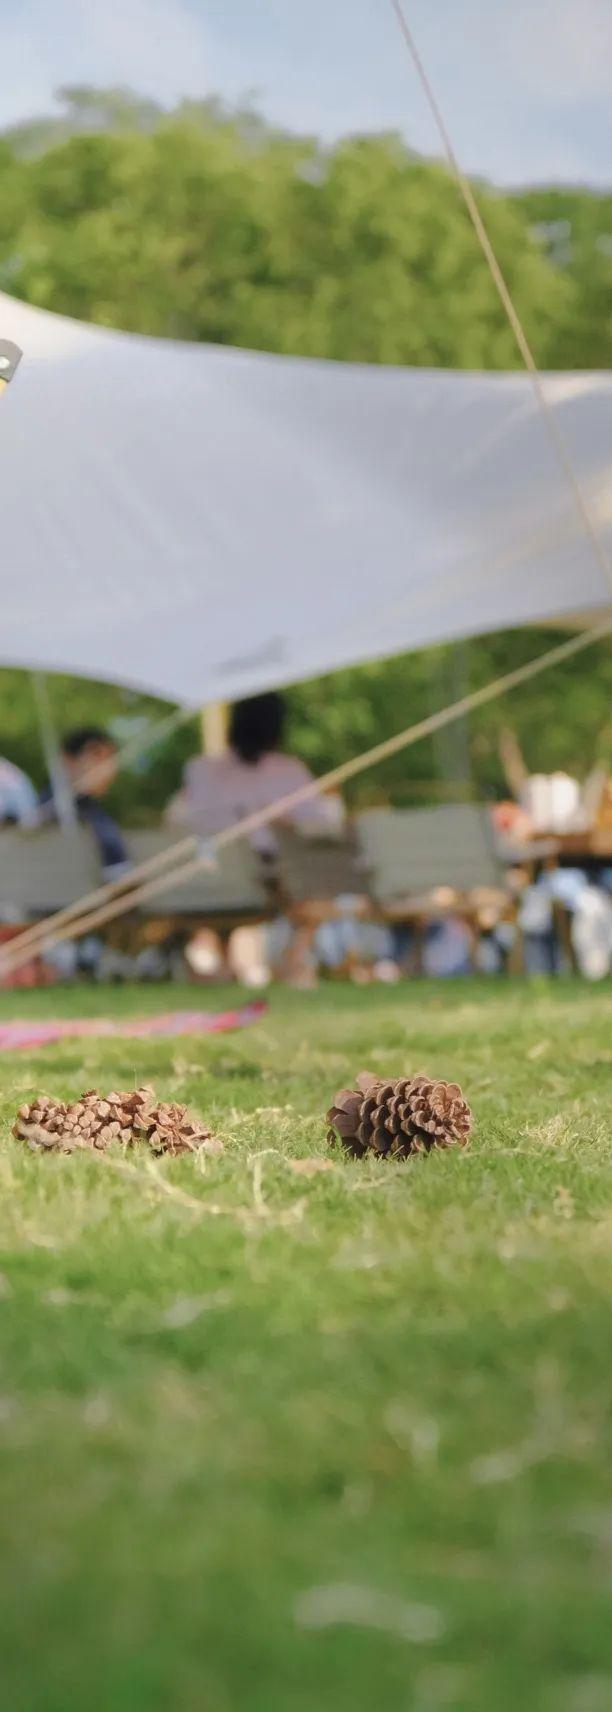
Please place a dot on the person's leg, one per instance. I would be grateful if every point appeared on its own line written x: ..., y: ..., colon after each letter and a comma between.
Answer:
x: 297, y: 964
x: 247, y: 957
x: 206, y: 955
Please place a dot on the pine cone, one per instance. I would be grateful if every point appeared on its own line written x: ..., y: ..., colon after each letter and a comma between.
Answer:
x: 169, y: 1128
x: 130, y: 1110
x: 94, y: 1120
x: 41, y: 1123
x: 410, y: 1114
x: 97, y: 1120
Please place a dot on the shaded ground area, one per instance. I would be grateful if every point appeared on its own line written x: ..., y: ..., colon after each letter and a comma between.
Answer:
x: 276, y: 1443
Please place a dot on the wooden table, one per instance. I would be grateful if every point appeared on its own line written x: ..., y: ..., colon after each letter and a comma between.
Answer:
x: 592, y: 845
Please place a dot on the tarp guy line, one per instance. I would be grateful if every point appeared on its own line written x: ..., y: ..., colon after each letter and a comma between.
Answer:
x: 497, y: 276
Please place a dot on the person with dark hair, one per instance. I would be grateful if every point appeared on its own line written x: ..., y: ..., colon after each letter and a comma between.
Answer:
x: 256, y: 727
x: 89, y: 759
x: 219, y: 790
x: 253, y: 773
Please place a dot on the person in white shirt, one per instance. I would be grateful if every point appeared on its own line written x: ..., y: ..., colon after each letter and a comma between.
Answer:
x: 18, y: 799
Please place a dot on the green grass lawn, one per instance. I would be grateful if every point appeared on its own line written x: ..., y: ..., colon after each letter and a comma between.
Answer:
x: 272, y: 1443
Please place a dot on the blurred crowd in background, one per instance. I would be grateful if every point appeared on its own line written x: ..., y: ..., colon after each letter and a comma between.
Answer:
x: 562, y: 907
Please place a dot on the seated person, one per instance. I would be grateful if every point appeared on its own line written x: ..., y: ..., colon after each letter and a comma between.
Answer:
x: 89, y: 757
x: 18, y: 800
x: 253, y: 773
x: 221, y: 789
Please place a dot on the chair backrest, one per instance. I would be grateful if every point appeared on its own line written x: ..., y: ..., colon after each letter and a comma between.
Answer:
x: 413, y: 851
x: 311, y: 867
x: 41, y: 871
x: 233, y: 886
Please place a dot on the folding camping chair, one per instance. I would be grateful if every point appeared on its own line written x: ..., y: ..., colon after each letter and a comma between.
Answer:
x: 41, y: 871
x: 230, y: 893
x: 432, y: 862
x: 44, y: 870
x: 316, y: 869
x: 314, y: 875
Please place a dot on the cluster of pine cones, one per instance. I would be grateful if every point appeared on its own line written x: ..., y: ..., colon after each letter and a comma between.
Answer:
x: 410, y: 1114
x: 98, y: 1120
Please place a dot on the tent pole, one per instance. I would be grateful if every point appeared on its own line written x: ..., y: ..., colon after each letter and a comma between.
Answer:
x: 63, y: 800
x: 10, y: 357
x: 449, y: 680
x: 214, y: 727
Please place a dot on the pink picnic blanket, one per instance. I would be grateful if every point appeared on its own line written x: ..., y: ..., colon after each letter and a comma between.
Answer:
x: 14, y: 1035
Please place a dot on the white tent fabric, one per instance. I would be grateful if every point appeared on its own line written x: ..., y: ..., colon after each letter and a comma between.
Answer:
x: 203, y: 522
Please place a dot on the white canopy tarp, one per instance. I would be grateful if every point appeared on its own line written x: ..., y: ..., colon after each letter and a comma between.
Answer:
x: 203, y: 522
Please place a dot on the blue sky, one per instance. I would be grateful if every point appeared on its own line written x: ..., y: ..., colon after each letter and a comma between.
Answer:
x: 526, y: 85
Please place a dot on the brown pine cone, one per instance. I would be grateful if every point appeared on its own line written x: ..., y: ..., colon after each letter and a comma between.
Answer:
x: 98, y: 1120
x: 409, y: 1114
x: 169, y: 1128
x: 41, y: 1123
x: 95, y: 1120
x: 130, y: 1110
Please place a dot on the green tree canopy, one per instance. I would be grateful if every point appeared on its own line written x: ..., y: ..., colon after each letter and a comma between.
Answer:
x: 203, y: 227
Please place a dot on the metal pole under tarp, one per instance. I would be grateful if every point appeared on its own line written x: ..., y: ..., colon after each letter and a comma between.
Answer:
x: 214, y: 727
x: 63, y: 800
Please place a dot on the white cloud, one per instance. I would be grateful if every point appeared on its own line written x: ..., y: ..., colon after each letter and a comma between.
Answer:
x: 561, y: 49
x: 522, y: 82
x: 157, y: 46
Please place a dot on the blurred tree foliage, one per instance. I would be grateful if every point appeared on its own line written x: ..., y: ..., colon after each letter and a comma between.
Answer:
x: 209, y: 225
x: 203, y: 226
x: 574, y: 231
